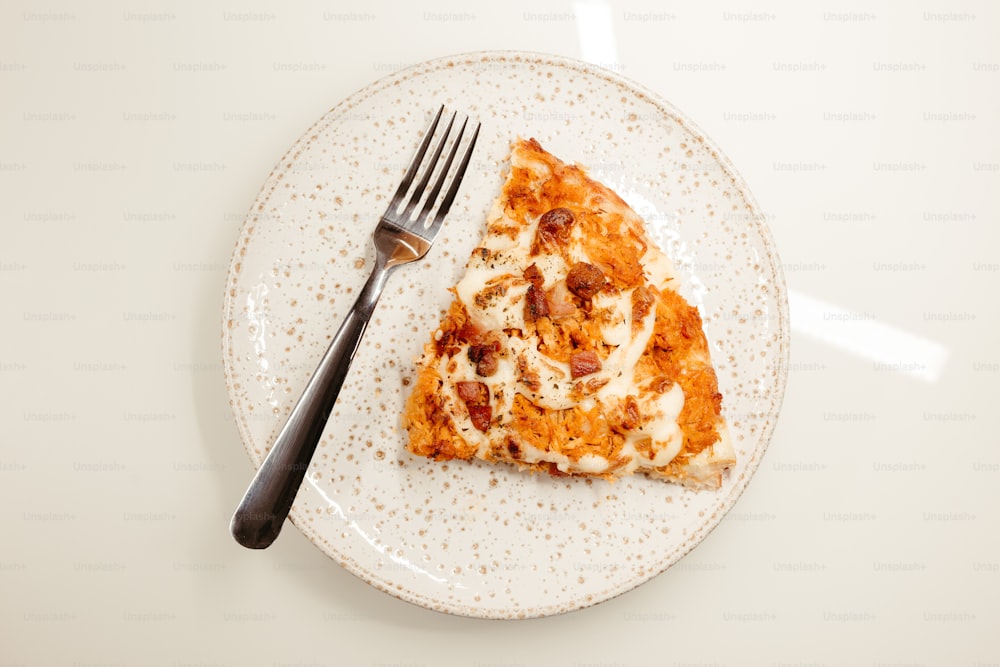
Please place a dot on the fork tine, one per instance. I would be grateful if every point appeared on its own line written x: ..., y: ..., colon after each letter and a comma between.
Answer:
x: 433, y: 195
x: 449, y: 195
x: 422, y: 185
x: 418, y: 157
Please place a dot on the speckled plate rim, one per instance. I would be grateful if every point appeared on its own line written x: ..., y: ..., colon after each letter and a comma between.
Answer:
x: 756, y: 221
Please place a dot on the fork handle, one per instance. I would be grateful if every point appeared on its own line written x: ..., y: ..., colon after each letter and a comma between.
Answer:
x: 260, y: 515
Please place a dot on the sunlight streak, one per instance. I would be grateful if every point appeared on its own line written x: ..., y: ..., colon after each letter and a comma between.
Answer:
x: 887, y: 347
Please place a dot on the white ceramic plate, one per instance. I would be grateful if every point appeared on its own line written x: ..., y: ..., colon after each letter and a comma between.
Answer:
x: 475, y: 539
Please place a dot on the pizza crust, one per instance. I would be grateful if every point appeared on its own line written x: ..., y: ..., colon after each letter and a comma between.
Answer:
x: 567, y: 349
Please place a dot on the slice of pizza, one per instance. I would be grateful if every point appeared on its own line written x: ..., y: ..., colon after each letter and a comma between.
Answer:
x: 567, y: 348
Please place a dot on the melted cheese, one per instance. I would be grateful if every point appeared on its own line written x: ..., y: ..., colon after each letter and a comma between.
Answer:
x: 492, y: 295
x: 493, y: 292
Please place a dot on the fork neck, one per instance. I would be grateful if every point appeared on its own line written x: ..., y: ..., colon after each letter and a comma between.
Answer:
x: 368, y: 297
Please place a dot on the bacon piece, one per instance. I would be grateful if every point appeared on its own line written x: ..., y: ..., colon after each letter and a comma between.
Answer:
x: 553, y: 230
x: 534, y: 276
x: 486, y: 356
x: 535, y: 305
x: 481, y: 416
x: 462, y: 330
x: 476, y: 396
x: 584, y: 363
x: 468, y: 332
x: 473, y: 392
x: 560, y: 300
x: 584, y: 280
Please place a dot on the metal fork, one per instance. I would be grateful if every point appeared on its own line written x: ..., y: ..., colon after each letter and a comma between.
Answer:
x: 400, y: 237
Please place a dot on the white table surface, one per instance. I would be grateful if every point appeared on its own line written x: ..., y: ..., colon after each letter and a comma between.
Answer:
x: 135, y: 137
